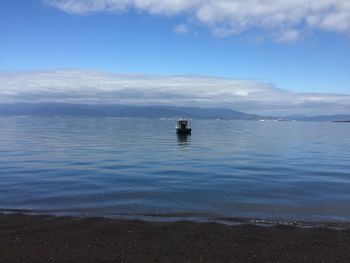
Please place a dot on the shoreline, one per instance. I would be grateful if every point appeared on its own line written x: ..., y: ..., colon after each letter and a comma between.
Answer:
x: 195, y: 218
x: 44, y: 238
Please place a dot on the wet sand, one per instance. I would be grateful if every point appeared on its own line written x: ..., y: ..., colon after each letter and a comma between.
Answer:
x: 26, y: 238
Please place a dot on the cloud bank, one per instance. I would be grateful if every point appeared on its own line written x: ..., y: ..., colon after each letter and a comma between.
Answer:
x: 281, y: 20
x: 94, y: 87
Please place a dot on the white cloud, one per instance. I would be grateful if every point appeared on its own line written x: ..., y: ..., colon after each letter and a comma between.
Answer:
x: 290, y: 35
x: 284, y: 18
x: 181, y: 28
x: 75, y: 86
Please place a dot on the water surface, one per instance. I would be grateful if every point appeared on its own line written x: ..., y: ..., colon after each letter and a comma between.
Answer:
x: 139, y: 167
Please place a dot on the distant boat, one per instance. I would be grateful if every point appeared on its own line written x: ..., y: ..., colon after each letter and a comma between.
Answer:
x: 183, y: 127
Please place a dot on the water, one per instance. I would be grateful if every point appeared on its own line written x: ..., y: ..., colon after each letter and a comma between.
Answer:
x: 141, y: 168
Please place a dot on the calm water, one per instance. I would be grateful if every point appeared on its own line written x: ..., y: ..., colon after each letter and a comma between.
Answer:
x: 137, y: 167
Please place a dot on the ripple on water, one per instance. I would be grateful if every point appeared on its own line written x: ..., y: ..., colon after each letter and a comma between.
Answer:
x: 229, y: 169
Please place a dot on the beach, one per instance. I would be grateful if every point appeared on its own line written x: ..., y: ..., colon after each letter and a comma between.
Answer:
x: 40, y: 238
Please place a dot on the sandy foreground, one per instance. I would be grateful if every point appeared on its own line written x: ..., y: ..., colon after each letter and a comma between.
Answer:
x: 28, y: 238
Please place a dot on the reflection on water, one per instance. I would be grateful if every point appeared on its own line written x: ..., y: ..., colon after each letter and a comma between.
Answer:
x: 111, y: 166
x: 183, y: 140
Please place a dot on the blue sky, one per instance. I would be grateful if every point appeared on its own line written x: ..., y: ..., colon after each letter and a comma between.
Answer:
x: 137, y: 39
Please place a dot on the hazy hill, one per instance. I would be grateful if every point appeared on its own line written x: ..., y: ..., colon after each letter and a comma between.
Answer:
x: 63, y: 109
x: 66, y: 109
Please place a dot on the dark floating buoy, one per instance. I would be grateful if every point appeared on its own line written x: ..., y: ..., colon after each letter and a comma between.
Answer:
x: 183, y: 127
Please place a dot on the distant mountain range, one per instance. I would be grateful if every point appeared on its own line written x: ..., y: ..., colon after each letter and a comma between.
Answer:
x: 66, y: 109
x: 63, y: 109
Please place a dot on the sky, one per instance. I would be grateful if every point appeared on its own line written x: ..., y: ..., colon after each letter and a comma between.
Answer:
x: 271, y: 56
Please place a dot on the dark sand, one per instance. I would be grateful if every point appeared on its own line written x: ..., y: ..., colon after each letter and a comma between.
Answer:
x: 26, y: 238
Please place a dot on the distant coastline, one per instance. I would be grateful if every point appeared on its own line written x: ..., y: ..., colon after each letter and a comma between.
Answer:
x: 153, y: 111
